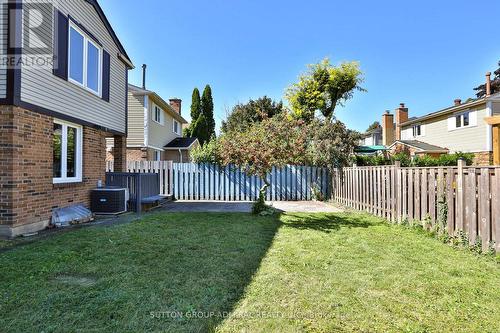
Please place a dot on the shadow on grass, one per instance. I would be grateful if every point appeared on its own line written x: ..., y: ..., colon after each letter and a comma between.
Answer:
x: 327, y: 222
x: 175, y: 272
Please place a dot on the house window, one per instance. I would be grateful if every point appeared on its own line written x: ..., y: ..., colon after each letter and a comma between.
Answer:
x: 84, y: 61
x: 462, y: 120
x: 158, y: 115
x: 157, y: 156
x: 67, y: 152
x: 417, y: 130
x: 177, y: 127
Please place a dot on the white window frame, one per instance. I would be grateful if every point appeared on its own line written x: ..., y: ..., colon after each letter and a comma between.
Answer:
x: 472, y: 120
x: 462, y: 119
x: 64, y: 153
x: 157, y: 155
x: 160, y: 114
x: 86, y: 41
x: 178, y: 127
x: 414, y: 129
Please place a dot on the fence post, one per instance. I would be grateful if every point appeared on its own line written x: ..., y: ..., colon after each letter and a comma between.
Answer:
x: 460, y: 196
x: 397, y: 194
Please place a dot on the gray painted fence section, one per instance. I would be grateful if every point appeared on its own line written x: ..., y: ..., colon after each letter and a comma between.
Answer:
x: 189, y: 181
x: 213, y: 182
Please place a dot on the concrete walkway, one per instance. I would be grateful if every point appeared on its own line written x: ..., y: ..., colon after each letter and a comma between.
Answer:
x: 246, y: 207
x: 304, y: 207
x: 185, y: 206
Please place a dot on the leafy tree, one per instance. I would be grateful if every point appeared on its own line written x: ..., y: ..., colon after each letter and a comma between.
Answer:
x: 274, y: 142
x: 495, y: 85
x: 207, y: 109
x: 331, y: 144
x: 373, y: 126
x: 244, y: 115
x: 324, y: 87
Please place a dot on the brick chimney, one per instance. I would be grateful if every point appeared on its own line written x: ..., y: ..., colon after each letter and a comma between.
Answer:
x: 488, y: 84
x: 176, y: 104
x: 387, y: 129
x: 401, y: 117
x: 457, y: 102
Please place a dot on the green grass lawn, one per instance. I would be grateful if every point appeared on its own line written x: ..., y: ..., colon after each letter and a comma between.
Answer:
x: 240, y: 273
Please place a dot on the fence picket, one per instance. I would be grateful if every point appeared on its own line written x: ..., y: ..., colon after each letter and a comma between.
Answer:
x: 424, y: 212
x: 495, y: 209
x: 484, y: 209
x: 431, y: 185
x: 471, y: 206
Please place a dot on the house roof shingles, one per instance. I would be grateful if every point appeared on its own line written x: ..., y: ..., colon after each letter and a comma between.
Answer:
x: 423, y: 146
x: 181, y: 143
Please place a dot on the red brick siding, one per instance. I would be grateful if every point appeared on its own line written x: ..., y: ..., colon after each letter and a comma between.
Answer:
x: 27, y: 192
x: 133, y: 154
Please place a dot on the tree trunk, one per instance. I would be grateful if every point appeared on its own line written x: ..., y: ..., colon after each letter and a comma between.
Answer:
x: 263, y: 189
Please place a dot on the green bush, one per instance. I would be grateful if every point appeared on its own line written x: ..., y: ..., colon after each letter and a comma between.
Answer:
x: 405, y: 159
x: 417, y: 161
x: 208, y: 153
x: 260, y: 205
x: 360, y: 160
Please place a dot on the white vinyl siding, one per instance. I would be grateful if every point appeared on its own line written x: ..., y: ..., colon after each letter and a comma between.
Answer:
x: 135, y: 120
x: 468, y: 139
x: 160, y: 135
x: 3, y: 47
x: 40, y: 87
x: 496, y: 108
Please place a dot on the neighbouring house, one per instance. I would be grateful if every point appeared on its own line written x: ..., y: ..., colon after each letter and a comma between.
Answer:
x: 178, y: 150
x: 371, y: 143
x: 153, y: 125
x: 462, y: 127
x: 372, y: 137
x: 63, y: 91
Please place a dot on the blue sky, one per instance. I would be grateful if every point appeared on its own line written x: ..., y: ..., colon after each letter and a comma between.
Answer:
x: 422, y: 53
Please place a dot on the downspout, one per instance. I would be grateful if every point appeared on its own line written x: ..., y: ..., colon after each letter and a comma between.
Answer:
x: 180, y: 155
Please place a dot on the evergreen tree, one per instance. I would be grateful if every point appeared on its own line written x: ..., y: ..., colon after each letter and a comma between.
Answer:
x: 195, y: 105
x: 200, y: 129
x: 207, y: 109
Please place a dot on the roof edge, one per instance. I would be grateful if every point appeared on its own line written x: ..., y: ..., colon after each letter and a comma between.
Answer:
x: 115, y: 38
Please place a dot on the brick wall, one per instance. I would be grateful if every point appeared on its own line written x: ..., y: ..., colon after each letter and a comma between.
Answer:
x: 133, y: 154
x: 27, y: 192
x: 483, y: 158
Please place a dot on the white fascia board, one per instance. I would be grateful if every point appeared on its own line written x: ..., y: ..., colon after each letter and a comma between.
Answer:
x: 146, y: 120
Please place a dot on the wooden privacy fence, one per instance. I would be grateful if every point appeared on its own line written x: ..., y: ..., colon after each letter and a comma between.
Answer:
x: 190, y: 181
x: 461, y: 200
